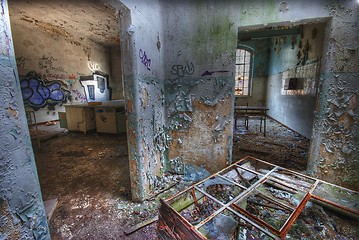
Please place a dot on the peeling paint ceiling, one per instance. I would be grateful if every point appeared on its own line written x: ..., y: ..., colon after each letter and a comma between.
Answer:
x: 77, y: 21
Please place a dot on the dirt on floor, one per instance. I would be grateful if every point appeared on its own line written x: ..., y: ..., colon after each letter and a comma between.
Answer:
x: 280, y: 145
x: 89, y: 176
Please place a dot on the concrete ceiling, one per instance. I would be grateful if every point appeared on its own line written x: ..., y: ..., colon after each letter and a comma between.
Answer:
x: 77, y: 21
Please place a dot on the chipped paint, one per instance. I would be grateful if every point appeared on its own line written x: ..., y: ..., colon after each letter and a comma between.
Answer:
x: 22, y: 211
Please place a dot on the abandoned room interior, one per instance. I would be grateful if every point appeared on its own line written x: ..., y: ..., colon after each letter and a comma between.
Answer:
x: 169, y: 119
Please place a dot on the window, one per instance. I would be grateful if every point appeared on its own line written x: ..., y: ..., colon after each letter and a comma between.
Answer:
x: 243, y: 76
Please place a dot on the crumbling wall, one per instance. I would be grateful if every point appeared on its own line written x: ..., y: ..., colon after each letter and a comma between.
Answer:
x: 21, y: 207
x: 334, y: 150
x: 57, y: 58
x: 180, y: 56
x: 200, y: 43
x: 144, y: 95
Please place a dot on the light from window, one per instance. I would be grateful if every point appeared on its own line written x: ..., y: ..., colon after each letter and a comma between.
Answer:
x: 243, y: 72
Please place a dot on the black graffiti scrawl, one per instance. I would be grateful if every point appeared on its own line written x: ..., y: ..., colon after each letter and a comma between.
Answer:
x: 38, y: 93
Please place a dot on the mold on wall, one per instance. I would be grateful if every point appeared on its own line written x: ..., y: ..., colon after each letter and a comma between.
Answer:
x: 116, y: 73
x: 199, y: 87
x: 21, y: 207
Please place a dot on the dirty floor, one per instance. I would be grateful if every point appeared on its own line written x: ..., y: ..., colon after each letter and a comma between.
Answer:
x: 89, y: 176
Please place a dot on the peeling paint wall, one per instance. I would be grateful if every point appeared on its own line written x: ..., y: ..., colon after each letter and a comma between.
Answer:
x: 21, y: 207
x: 54, y: 57
x: 179, y: 73
x: 334, y: 147
x: 288, y: 59
x: 144, y: 95
x: 200, y: 43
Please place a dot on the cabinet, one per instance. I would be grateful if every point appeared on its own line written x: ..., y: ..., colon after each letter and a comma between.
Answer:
x: 80, y: 117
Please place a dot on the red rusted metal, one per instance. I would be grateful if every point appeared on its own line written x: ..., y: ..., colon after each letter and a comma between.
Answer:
x: 258, y: 220
x: 172, y: 225
x: 336, y: 205
x: 285, y: 229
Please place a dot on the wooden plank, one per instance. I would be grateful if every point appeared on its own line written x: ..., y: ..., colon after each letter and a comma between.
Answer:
x: 173, y: 226
x: 141, y: 225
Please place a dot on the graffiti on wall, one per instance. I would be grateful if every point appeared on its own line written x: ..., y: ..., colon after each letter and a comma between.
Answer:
x: 144, y: 59
x: 20, y: 62
x: 93, y: 66
x: 79, y: 96
x: 182, y: 70
x: 38, y: 93
x: 48, y: 64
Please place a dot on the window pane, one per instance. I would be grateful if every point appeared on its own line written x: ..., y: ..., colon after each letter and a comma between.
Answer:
x: 243, y: 76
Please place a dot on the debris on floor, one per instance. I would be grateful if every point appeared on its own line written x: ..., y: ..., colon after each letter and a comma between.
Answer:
x: 50, y: 206
x: 253, y: 199
x: 92, y: 185
x: 280, y: 146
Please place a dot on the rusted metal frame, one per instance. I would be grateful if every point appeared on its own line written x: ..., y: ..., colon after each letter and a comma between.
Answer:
x: 241, y: 177
x: 253, y: 223
x: 194, y: 196
x: 269, y: 198
x: 241, y: 195
x: 252, y: 171
x: 259, y: 160
x: 335, y: 204
x: 213, y: 214
x: 290, y: 221
x: 251, y: 188
x: 183, y: 220
x: 185, y: 190
x: 235, y: 183
x: 257, y: 219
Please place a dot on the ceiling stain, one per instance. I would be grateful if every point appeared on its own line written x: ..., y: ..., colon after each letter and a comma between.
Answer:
x: 76, y: 21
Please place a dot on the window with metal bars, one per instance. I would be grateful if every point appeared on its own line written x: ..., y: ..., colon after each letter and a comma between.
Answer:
x: 243, y: 72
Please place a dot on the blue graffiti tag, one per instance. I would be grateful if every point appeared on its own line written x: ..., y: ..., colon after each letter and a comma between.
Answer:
x: 181, y: 71
x: 38, y: 94
x: 146, y: 61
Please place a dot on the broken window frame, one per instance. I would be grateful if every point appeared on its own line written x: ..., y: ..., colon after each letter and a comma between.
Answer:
x: 308, y: 190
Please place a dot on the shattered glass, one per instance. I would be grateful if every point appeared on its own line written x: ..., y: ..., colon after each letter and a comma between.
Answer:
x: 194, y: 206
x: 220, y: 189
x: 252, y: 199
x: 228, y: 225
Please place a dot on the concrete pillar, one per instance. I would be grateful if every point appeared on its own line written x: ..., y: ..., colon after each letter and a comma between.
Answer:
x: 21, y: 207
